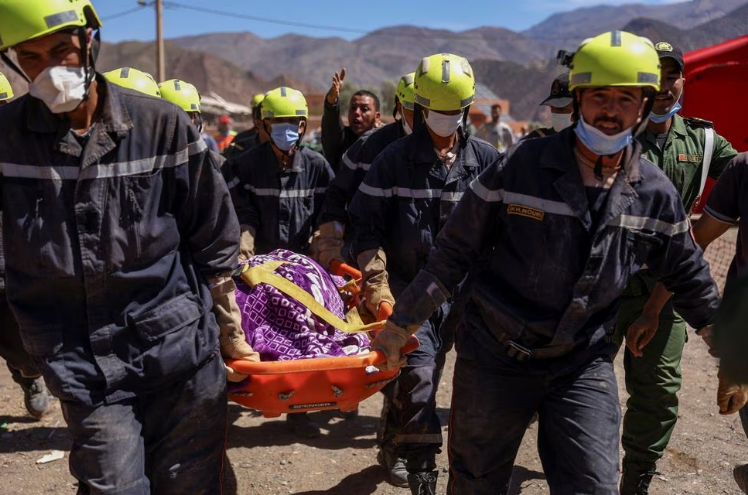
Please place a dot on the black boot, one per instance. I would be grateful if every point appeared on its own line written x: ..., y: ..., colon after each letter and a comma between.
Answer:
x: 35, y: 395
x: 423, y: 483
x: 636, y: 477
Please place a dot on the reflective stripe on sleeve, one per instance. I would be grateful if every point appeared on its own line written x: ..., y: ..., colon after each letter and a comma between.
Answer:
x: 487, y: 195
x: 104, y: 170
x: 284, y: 193
x: 653, y: 224
x: 357, y: 165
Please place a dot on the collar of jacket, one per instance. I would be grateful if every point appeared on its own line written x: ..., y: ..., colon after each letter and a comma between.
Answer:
x: 297, y: 160
x: 423, y: 149
x: 678, y: 127
x: 559, y: 155
x: 113, y: 116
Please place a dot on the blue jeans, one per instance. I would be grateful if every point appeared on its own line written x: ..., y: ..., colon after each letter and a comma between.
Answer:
x: 494, y: 399
x: 167, y: 443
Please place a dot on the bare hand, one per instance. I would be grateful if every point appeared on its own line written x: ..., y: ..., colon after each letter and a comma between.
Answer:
x: 640, y: 333
x: 337, y: 85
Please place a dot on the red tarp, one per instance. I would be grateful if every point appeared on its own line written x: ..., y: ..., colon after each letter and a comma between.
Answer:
x: 716, y: 89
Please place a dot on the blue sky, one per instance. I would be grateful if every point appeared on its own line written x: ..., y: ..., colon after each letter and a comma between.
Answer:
x: 351, y: 16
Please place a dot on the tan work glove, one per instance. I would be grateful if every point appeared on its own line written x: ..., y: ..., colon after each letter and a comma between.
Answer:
x: 246, y: 243
x: 375, y: 288
x: 232, y: 341
x: 731, y: 397
x: 327, y: 243
x: 390, y: 340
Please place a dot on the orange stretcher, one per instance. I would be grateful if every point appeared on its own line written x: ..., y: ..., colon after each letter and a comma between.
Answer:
x: 278, y: 387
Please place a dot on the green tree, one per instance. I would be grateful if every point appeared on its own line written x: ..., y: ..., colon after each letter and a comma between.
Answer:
x: 387, y: 96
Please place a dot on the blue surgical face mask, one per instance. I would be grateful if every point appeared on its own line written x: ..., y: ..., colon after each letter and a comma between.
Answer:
x: 659, y: 119
x: 600, y: 143
x: 284, y: 135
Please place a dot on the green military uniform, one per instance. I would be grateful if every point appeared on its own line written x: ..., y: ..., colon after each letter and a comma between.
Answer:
x: 654, y: 379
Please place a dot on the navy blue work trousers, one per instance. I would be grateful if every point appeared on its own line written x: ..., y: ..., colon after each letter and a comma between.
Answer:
x: 166, y: 443
x: 412, y: 429
x: 494, y: 399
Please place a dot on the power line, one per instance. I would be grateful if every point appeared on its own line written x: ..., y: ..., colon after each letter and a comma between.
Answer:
x: 323, y: 27
x: 123, y: 13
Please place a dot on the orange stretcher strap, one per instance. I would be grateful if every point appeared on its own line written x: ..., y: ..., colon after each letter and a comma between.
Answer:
x: 263, y: 274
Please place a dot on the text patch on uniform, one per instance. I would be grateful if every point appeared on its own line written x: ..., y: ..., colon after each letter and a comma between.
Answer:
x: 682, y: 157
x: 525, y: 211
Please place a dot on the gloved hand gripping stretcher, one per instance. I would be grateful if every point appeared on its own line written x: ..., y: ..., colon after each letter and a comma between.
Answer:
x: 307, y: 384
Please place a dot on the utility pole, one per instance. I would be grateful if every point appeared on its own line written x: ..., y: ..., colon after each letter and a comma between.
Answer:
x: 160, y: 53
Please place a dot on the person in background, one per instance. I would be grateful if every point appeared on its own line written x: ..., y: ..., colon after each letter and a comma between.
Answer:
x: 278, y: 191
x: 186, y: 96
x: 21, y: 365
x: 225, y: 135
x: 250, y: 138
x: 363, y: 115
x: 496, y: 132
x: 561, y: 102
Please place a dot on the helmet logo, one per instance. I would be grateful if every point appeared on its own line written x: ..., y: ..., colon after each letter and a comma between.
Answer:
x: 664, y: 46
x: 555, y: 88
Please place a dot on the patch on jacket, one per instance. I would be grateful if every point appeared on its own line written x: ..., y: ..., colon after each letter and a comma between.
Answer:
x: 682, y: 157
x: 525, y: 212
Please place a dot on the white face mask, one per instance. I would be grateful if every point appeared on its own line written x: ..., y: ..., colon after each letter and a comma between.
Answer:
x: 443, y: 125
x: 62, y: 89
x: 406, y: 127
x: 560, y: 121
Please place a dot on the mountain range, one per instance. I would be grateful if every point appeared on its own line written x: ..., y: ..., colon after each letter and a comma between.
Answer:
x: 518, y: 66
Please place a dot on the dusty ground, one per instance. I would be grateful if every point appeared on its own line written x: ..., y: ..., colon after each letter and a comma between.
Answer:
x: 265, y: 458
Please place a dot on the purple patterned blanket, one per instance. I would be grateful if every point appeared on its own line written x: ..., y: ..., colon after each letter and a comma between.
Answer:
x: 280, y: 328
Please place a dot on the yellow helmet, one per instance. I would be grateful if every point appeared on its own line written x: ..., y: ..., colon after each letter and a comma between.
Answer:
x: 406, y: 91
x: 23, y: 20
x: 616, y: 58
x: 6, y: 90
x: 257, y: 99
x: 182, y: 94
x: 444, y: 82
x: 134, y: 79
x: 284, y: 102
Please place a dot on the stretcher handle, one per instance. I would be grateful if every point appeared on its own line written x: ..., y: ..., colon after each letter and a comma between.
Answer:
x: 315, y: 364
x: 385, y: 311
x: 339, y: 268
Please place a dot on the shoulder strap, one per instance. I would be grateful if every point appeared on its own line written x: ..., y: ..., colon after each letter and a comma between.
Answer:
x: 264, y: 274
x: 708, y: 151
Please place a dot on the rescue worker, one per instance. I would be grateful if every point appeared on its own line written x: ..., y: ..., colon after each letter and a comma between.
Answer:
x: 134, y: 79
x: 225, y: 135
x: 363, y: 114
x: 187, y: 97
x: 278, y: 191
x: 727, y: 206
x: 20, y: 364
x: 251, y: 137
x: 550, y: 234
x: 681, y: 148
x: 120, y: 236
x: 329, y: 240
x: 496, y: 132
x: 561, y: 102
x: 401, y: 205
